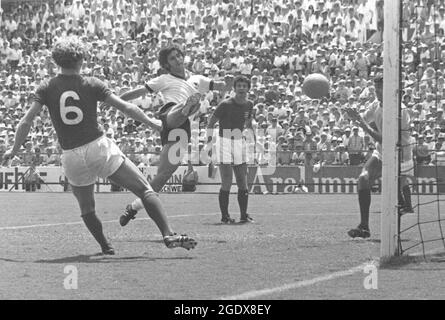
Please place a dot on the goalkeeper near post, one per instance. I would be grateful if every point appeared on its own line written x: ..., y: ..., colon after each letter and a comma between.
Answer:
x: 372, y: 170
x: 182, y: 91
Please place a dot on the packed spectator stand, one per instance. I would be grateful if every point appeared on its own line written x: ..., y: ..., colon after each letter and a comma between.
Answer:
x: 275, y: 43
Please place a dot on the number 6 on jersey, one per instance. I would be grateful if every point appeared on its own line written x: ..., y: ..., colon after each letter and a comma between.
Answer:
x: 64, y: 109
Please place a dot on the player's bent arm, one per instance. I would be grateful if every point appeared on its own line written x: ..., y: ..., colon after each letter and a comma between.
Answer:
x: 133, y: 111
x: 361, y: 121
x: 248, y: 123
x: 377, y: 136
x: 25, y: 125
x: 212, y: 122
x: 218, y: 85
x: 134, y: 94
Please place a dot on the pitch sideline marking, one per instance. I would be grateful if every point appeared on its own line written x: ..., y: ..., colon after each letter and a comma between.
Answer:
x: 299, y: 284
x: 81, y: 222
x: 175, y: 216
x: 306, y: 283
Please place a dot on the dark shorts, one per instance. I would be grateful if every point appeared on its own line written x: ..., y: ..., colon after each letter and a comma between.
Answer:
x: 163, y: 112
x: 374, y: 168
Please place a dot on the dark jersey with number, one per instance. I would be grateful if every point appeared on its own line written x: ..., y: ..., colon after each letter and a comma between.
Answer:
x: 72, y: 104
x: 232, y: 115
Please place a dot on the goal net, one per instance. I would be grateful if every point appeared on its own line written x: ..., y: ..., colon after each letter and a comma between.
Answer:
x: 414, y: 70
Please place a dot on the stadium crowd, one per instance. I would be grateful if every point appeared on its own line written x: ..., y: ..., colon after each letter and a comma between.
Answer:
x: 275, y: 43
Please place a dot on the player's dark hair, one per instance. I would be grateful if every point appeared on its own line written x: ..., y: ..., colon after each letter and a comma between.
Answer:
x: 164, y: 52
x: 67, y: 52
x: 241, y: 79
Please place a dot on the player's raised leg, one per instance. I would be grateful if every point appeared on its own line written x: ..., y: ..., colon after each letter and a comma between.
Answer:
x: 224, y: 193
x: 131, y: 178
x: 179, y: 114
x: 85, y: 198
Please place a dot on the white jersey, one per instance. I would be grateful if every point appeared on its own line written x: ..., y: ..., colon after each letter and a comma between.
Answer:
x: 178, y: 90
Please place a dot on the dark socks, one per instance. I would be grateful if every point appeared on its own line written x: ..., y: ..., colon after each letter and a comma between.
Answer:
x: 224, y: 202
x: 95, y: 227
x: 401, y: 200
x: 364, y: 200
x: 243, y: 197
x: 407, y: 196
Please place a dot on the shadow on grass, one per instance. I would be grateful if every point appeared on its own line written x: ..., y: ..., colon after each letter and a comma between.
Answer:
x: 145, y: 240
x: 361, y: 240
x: 12, y: 260
x: 100, y: 258
x: 398, y: 262
x: 228, y: 224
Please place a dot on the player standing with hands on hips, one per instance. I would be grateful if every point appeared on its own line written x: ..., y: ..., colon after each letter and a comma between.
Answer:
x: 182, y: 91
x: 87, y: 154
x: 234, y: 115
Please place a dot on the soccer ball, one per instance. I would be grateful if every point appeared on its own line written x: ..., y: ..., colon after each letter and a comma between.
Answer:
x: 316, y: 86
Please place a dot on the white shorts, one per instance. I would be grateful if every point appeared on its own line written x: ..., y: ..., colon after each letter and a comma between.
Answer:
x: 407, y: 168
x: 99, y: 158
x: 231, y: 151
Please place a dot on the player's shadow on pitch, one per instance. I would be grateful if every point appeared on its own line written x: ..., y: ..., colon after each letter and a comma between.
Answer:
x: 12, y: 260
x: 361, y: 240
x: 141, y: 240
x: 100, y: 258
x: 235, y: 224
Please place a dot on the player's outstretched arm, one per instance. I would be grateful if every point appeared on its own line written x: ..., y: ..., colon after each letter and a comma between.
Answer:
x: 219, y: 85
x: 22, y: 130
x: 134, y: 94
x: 133, y: 111
x: 212, y: 122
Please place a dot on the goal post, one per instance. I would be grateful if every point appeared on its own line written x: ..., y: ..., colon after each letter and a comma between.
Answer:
x: 391, y: 106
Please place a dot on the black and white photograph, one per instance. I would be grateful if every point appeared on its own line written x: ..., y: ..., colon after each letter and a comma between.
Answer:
x: 222, y: 156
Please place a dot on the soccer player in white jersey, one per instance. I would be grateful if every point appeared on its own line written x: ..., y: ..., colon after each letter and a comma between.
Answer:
x: 181, y: 90
x: 372, y: 170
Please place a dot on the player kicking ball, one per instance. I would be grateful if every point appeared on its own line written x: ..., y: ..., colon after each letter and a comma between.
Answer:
x: 181, y: 91
x: 234, y: 115
x: 372, y: 170
x: 87, y: 154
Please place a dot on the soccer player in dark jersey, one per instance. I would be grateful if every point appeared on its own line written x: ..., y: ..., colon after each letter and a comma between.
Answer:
x: 372, y: 170
x: 87, y: 154
x: 181, y: 90
x: 234, y: 115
